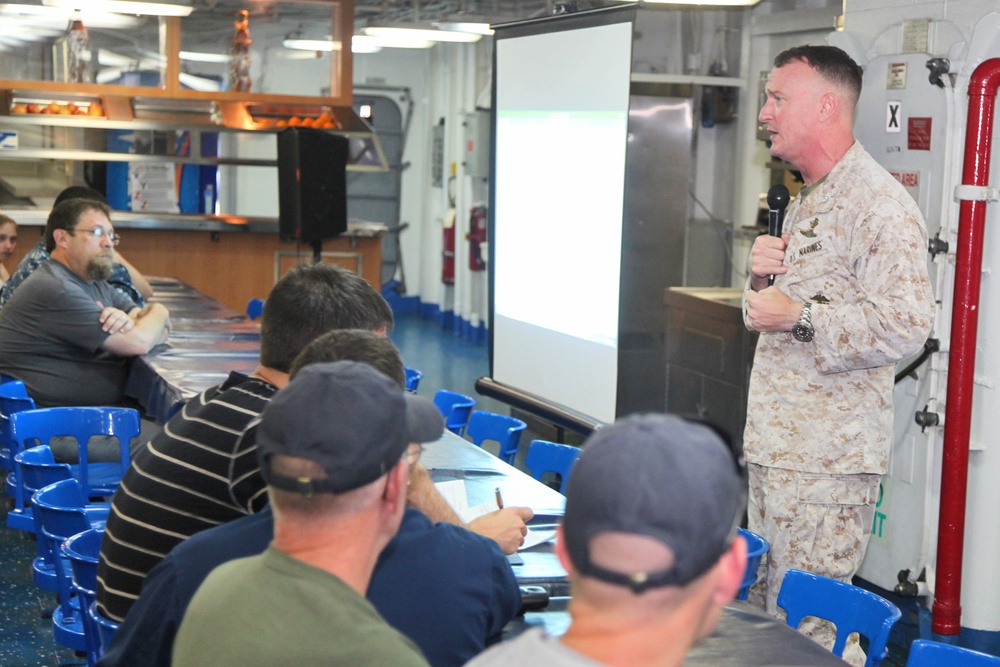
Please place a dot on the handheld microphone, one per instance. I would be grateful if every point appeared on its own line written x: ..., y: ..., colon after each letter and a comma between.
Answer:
x: 777, y: 200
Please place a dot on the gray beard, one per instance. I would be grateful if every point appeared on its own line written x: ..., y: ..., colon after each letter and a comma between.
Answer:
x: 99, y: 268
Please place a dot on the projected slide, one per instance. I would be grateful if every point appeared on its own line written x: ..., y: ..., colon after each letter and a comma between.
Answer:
x: 561, y: 136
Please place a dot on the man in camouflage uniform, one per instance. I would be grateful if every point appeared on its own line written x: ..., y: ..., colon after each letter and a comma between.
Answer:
x: 850, y: 299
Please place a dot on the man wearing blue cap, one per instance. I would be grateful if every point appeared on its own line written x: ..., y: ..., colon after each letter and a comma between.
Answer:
x: 649, y: 544
x: 335, y: 447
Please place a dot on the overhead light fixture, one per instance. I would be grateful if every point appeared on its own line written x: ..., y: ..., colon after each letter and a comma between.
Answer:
x: 706, y: 3
x: 56, y: 17
x: 201, y: 57
x: 309, y: 44
x: 123, y: 7
x: 419, y: 32
x: 359, y: 44
x: 465, y: 26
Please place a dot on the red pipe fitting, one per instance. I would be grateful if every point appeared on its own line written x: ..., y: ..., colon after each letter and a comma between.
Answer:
x: 947, y: 608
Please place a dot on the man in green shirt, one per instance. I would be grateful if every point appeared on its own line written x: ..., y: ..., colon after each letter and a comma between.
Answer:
x: 335, y: 447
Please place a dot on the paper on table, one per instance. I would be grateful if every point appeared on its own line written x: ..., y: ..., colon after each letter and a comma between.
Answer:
x: 454, y: 493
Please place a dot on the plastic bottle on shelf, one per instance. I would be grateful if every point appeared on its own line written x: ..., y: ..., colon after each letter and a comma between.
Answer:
x: 77, y: 46
x: 239, y: 51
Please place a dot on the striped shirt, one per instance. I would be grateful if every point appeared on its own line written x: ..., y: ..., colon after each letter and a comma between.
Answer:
x: 194, y: 475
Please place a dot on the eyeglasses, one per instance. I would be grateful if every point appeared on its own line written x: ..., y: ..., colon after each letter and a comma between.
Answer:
x: 98, y: 233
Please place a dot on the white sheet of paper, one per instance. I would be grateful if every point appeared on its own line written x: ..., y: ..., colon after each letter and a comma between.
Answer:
x: 454, y: 493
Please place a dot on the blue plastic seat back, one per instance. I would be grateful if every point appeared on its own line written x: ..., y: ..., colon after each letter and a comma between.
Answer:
x: 545, y: 456
x: 62, y: 513
x: 455, y: 408
x: 106, y: 628
x: 413, y: 377
x: 505, y: 430
x: 849, y: 608
x: 757, y: 546
x: 98, y: 479
x: 39, y: 468
x: 82, y: 550
x: 926, y: 653
x: 255, y: 308
x: 13, y: 398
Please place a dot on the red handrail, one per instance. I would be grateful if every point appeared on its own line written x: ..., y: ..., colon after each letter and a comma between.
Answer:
x: 947, y: 608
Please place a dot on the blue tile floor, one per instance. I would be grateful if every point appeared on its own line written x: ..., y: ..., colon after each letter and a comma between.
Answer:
x: 25, y: 637
x: 446, y: 360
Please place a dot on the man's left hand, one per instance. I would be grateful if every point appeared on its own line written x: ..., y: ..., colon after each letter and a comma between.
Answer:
x: 772, y: 310
x: 114, y: 320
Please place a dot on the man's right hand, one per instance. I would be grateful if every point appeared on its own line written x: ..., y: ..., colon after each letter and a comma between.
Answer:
x: 767, y: 259
x: 506, y: 527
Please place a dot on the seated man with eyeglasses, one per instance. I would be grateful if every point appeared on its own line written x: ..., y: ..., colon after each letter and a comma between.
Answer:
x: 66, y: 332
x: 124, y: 277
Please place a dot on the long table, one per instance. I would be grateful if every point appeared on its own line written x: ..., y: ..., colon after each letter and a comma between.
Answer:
x: 744, y: 637
x: 207, y: 341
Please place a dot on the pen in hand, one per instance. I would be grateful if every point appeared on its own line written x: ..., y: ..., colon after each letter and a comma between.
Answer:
x: 499, y: 498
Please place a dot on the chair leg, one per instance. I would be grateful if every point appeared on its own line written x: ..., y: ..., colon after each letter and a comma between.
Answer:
x: 78, y: 659
x: 46, y: 606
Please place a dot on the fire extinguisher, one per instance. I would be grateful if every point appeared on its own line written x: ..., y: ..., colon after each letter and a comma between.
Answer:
x: 448, y: 249
x: 476, y: 238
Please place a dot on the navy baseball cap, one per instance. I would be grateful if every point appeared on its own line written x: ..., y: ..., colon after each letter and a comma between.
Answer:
x: 661, y: 476
x: 349, y: 418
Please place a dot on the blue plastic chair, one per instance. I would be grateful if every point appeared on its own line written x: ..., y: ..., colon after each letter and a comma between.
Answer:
x: 504, y: 430
x: 63, y: 511
x: 97, y: 479
x: 39, y: 469
x: 545, y: 456
x: 926, y: 653
x: 13, y: 399
x: 83, y: 550
x: 255, y: 308
x: 455, y: 408
x: 413, y: 377
x: 849, y: 608
x: 757, y: 546
x: 106, y: 628
x: 13, y: 389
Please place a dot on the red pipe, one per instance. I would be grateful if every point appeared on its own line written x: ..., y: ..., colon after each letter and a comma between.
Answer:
x: 947, y: 609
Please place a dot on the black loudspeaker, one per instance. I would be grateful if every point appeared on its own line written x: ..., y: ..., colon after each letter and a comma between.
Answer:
x: 312, y: 185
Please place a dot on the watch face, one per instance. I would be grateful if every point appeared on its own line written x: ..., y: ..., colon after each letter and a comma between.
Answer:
x: 803, y: 332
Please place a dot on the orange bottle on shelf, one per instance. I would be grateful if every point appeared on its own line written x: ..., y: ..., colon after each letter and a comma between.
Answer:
x: 239, y: 52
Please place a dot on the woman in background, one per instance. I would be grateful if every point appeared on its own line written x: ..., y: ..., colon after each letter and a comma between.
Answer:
x: 8, y: 242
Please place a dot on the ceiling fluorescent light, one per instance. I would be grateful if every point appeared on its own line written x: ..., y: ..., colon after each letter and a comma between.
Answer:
x: 308, y: 44
x: 420, y: 33
x: 365, y: 44
x: 201, y: 57
x: 359, y: 44
x: 706, y: 3
x: 123, y: 7
x: 465, y: 26
x: 58, y: 16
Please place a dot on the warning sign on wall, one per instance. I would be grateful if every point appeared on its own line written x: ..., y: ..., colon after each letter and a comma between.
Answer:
x: 909, y: 180
x: 918, y: 134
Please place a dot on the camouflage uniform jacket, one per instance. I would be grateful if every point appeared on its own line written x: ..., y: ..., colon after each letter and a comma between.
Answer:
x: 858, y: 252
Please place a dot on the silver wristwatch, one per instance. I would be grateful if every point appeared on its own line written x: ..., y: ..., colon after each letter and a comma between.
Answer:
x: 803, y: 329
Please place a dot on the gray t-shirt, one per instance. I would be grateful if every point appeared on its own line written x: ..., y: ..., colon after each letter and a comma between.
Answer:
x: 51, y: 338
x: 533, y: 647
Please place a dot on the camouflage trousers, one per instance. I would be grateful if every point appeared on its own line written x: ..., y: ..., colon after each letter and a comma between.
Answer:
x: 813, y: 522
